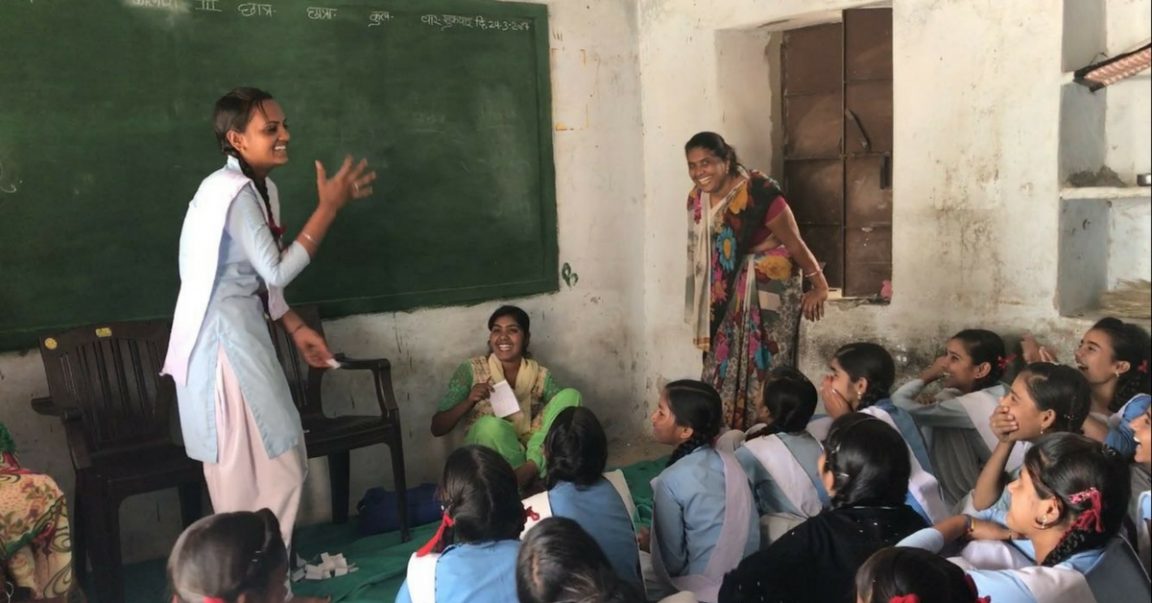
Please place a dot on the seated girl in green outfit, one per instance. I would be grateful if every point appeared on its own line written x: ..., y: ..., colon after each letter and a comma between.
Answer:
x: 518, y: 437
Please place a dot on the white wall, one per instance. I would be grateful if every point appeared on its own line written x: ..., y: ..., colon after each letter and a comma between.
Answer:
x: 977, y: 99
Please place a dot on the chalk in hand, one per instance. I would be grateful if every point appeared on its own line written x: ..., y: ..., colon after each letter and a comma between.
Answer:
x: 334, y: 363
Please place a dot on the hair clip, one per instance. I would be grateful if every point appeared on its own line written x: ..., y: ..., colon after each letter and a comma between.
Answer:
x: 1089, y: 519
x: 530, y: 514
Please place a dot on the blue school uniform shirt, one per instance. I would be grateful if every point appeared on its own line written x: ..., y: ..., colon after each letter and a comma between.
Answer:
x: 1002, y: 585
x: 234, y: 321
x: 1120, y: 437
x: 769, y: 497
x: 688, y: 504
x: 601, y: 512
x: 482, y: 572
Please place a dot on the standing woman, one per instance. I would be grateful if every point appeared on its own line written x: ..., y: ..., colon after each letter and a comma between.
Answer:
x: 745, y: 258
x: 236, y: 411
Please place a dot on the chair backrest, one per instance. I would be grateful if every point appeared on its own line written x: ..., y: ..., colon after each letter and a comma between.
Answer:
x: 110, y: 374
x: 303, y: 383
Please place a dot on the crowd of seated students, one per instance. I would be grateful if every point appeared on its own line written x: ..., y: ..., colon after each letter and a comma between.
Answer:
x: 1029, y: 490
x: 1034, y: 489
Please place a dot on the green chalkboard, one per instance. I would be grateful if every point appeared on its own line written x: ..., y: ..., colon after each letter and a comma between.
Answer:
x: 105, y: 134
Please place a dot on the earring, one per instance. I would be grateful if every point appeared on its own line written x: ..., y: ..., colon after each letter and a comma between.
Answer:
x: 1042, y: 524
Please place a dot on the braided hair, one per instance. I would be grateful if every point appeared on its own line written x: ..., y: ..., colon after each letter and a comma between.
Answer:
x: 225, y: 556
x: 870, y: 361
x: 1091, y: 483
x: 479, y: 492
x: 694, y: 404
x: 790, y: 398
x: 1130, y: 343
x: 984, y: 346
x: 900, y: 571
x: 868, y: 460
x: 1061, y: 389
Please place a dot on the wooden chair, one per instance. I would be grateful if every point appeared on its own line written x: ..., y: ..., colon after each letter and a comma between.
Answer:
x: 105, y: 385
x: 336, y: 437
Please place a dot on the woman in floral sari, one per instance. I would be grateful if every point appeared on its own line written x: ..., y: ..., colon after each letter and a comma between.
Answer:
x: 35, y: 540
x: 745, y: 260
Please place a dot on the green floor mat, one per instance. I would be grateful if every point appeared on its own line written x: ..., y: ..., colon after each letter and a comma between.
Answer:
x: 382, y: 559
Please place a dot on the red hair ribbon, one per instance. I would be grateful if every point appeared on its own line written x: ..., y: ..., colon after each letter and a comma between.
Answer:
x: 214, y: 600
x: 530, y: 514
x: 445, y: 523
x: 908, y: 598
x: 975, y: 591
x: 1089, y: 519
x: 1004, y: 361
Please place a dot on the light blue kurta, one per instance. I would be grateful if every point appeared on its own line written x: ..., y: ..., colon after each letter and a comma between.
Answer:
x: 601, y: 512
x: 234, y: 321
x: 769, y: 496
x: 1002, y: 585
x: 688, y: 504
x: 474, y: 573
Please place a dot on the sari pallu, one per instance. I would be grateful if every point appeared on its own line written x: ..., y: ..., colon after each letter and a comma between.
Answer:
x: 746, y: 307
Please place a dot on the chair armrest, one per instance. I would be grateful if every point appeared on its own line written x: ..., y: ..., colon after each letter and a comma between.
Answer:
x: 47, y: 406
x: 382, y: 376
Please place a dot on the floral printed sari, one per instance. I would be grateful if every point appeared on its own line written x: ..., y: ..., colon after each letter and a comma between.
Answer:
x: 748, y: 303
x: 35, y: 540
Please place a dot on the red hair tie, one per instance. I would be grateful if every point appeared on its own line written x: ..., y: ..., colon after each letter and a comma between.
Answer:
x: 1143, y: 368
x: 1089, y: 519
x: 214, y: 600
x: 1004, y: 361
x: 445, y: 523
x: 530, y: 514
x: 908, y: 598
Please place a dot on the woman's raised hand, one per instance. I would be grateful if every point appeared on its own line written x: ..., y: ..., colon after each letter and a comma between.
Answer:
x: 349, y: 182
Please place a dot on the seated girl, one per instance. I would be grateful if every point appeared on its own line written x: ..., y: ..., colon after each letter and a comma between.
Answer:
x: 781, y: 459
x: 560, y: 561
x: 517, y: 437
x: 865, y: 470
x: 1044, y: 398
x: 860, y: 376
x: 1113, y: 356
x: 912, y: 575
x: 703, y: 516
x: 1068, y: 502
x: 236, y: 557
x: 576, y: 451
x: 955, y: 425
x: 472, y: 557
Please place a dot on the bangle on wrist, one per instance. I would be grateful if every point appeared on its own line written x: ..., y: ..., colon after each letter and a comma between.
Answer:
x: 309, y: 237
x: 292, y: 333
x: 813, y: 274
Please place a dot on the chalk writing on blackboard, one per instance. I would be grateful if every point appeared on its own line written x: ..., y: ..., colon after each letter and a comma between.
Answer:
x: 175, y: 5
x: 477, y: 22
x: 212, y: 6
x: 320, y: 13
x: 377, y: 18
x: 254, y: 9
